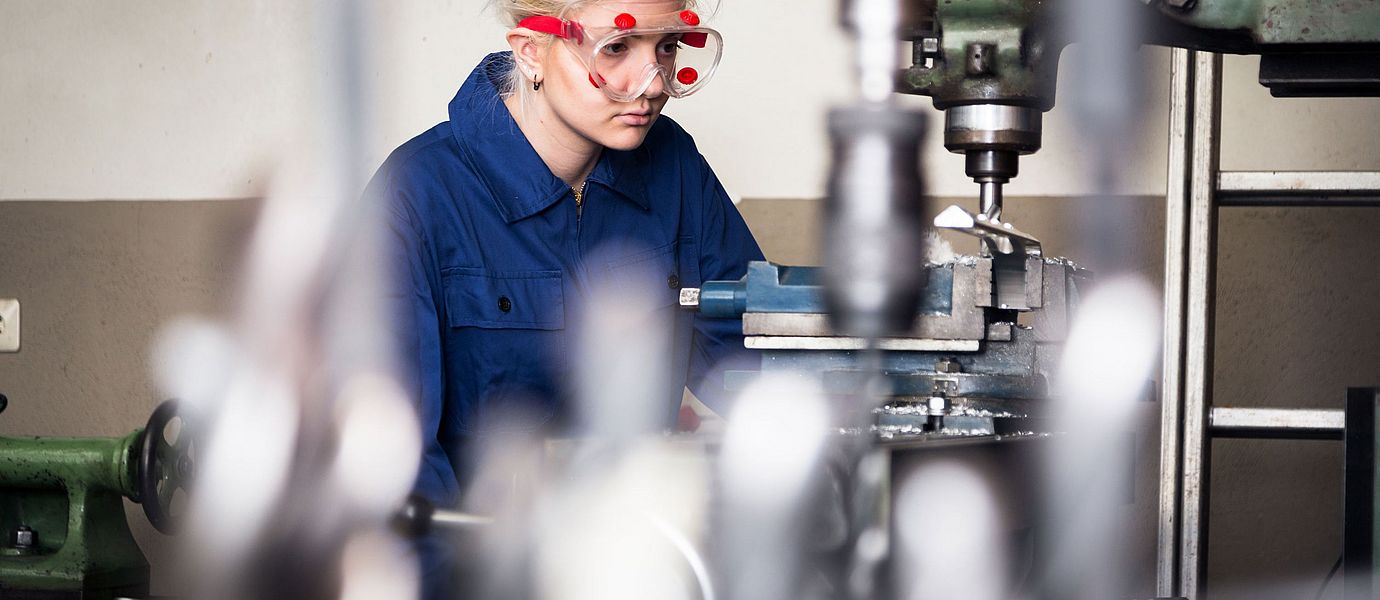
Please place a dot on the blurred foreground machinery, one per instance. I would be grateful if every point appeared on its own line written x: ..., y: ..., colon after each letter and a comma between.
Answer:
x: 945, y: 337
x: 991, y: 66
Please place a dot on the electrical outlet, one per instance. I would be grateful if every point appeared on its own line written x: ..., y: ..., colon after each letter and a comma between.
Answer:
x: 9, y: 325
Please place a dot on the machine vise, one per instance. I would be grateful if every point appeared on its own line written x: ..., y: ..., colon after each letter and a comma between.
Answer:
x: 976, y: 361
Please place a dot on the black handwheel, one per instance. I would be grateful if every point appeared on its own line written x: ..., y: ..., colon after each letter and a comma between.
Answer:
x: 167, y: 463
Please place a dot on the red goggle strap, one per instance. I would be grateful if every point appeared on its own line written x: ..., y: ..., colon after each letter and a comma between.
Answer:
x: 563, y: 29
x: 551, y: 25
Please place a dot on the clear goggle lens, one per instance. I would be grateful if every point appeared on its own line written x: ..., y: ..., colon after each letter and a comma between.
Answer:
x: 628, y: 64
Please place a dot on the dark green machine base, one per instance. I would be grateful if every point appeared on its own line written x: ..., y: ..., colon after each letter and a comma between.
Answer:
x: 70, y: 493
x: 133, y: 592
x: 62, y: 508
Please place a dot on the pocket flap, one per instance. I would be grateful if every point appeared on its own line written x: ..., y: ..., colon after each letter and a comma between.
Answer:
x: 653, y: 273
x: 504, y: 299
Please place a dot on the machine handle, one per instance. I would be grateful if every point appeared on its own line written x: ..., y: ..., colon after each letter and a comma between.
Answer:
x: 167, y: 464
x: 418, y: 516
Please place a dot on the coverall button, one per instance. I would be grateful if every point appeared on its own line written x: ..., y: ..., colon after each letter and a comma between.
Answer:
x: 673, y: 282
x: 504, y: 304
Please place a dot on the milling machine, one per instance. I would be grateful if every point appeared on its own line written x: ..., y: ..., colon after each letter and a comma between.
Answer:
x: 991, y: 65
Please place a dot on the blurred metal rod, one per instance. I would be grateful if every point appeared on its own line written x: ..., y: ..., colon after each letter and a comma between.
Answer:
x: 875, y: 25
x: 1299, y: 188
x: 1278, y: 423
x: 451, y: 519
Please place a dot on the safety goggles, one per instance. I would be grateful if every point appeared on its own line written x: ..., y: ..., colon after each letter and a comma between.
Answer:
x: 625, y: 53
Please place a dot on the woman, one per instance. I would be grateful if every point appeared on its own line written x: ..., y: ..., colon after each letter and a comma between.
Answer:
x: 554, y: 150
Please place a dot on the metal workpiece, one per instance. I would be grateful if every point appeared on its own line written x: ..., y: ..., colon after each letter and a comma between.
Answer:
x: 1277, y: 423
x: 873, y: 237
x: 1003, y: 238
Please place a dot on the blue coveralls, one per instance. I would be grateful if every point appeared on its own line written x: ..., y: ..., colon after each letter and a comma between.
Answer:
x: 492, y: 261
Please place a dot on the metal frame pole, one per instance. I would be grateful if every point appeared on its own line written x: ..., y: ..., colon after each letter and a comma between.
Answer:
x: 1198, y: 338
x: 1172, y: 360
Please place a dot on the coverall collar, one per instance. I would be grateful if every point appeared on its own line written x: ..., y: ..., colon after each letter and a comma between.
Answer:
x: 520, y: 183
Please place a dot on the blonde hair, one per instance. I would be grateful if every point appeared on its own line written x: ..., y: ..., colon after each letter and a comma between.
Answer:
x: 514, y: 11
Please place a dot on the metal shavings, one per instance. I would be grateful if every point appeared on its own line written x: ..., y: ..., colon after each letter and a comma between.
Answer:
x: 920, y: 410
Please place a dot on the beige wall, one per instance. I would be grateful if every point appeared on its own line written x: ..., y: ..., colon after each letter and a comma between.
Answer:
x: 177, y: 99
x: 97, y: 282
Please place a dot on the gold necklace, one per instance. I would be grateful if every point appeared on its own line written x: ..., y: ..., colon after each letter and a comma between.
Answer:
x: 580, y: 194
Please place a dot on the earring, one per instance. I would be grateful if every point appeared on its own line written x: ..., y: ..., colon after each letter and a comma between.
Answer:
x: 536, y: 86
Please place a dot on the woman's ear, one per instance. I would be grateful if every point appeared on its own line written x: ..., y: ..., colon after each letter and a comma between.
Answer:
x: 527, y: 53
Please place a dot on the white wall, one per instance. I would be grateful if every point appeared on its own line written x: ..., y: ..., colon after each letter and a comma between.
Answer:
x: 178, y: 99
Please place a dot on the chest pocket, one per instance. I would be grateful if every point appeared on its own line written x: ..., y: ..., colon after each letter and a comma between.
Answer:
x: 504, y: 350
x: 654, y: 273
x: 504, y: 300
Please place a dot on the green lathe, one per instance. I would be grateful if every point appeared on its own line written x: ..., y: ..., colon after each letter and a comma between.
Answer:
x: 62, y: 508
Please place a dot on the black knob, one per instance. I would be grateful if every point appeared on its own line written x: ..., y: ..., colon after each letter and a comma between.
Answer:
x: 4, y: 403
x: 413, y: 520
